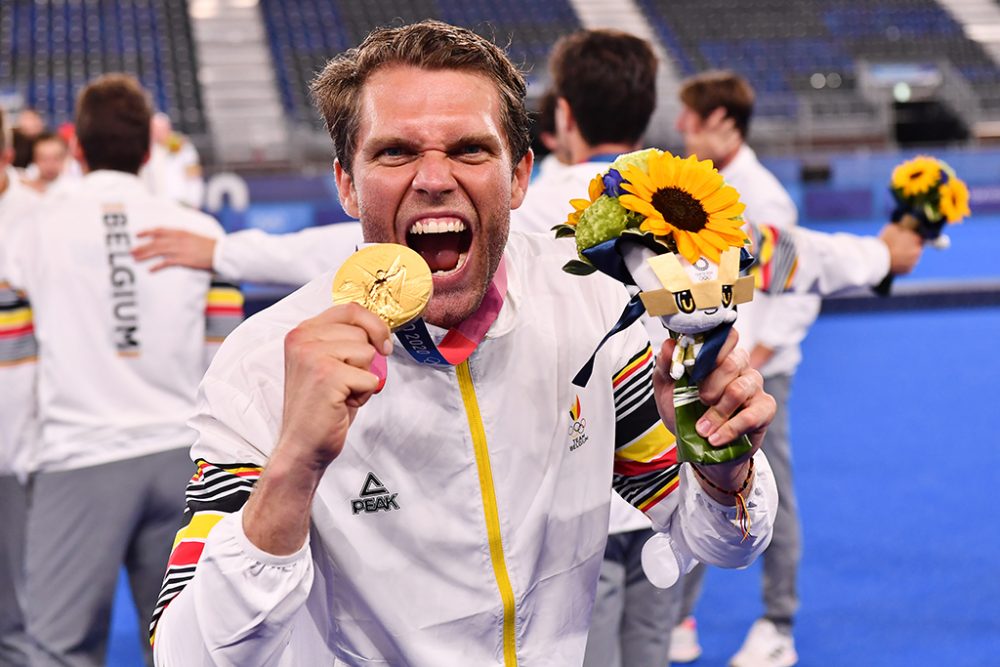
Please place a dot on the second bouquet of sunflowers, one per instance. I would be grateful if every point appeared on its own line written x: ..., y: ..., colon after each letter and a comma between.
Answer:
x: 928, y: 196
x: 673, y: 228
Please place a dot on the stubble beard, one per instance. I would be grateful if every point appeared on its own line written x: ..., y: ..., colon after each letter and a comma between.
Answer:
x: 450, y: 309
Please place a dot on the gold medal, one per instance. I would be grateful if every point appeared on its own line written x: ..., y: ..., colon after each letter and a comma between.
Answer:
x: 390, y: 280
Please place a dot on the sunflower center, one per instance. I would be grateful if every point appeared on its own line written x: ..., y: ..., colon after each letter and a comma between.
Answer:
x: 680, y: 209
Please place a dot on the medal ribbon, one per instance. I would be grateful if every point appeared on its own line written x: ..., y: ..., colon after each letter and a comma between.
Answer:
x: 461, y: 340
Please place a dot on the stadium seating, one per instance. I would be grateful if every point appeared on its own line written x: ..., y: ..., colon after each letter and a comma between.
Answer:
x: 304, y: 34
x: 49, y: 50
x: 810, y: 48
x: 803, y: 57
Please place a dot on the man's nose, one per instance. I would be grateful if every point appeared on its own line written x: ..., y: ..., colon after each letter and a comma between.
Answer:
x: 434, y: 174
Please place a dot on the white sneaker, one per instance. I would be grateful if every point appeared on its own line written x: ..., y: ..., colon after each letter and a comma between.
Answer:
x: 765, y: 647
x: 684, y: 646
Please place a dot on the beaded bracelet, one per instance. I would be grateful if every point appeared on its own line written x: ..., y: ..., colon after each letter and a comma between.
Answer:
x: 742, y: 513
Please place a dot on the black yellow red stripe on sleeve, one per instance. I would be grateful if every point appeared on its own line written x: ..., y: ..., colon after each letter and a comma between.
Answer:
x: 17, y: 330
x: 223, y: 310
x: 645, y: 468
x: 214, y: 491
x: 777, y: 258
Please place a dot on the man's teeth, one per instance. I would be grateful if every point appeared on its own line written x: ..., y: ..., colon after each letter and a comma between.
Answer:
x: 437, y: 226
x: 461, y: 262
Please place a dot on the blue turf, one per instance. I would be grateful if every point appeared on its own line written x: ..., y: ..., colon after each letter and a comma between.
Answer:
x: 124, y: 648
x: 896, y: 457
x: 896, y: 460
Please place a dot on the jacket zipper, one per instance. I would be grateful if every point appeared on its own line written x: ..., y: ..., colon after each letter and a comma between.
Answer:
x: 490, y: 510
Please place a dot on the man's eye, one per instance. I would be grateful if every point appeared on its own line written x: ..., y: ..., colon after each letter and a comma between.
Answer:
x: 471, y: 150
x: 392, y: 151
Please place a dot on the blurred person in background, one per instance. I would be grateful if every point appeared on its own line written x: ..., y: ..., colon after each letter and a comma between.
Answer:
x: 771, y: 328
x: 174, y: 167
x: 601, y: 107
x: 603, y: 95
x: 18, y: 352
x: 50, y: 155
x: 544, y: 144
x: 27, y: 128
x: 121, y: 355
x: 714, y: 121
x: 604, y: 86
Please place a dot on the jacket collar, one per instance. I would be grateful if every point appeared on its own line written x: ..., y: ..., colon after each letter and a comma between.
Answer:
x: 109, y: 179
x: 744, y: 158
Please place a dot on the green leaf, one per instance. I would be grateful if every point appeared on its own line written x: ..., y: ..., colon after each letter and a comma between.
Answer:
x: 578, y: 268
x: 933, y: 213
x: 564, y: 231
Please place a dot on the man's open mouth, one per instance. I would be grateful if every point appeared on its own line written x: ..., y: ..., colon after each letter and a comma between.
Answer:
x: 442, y: 242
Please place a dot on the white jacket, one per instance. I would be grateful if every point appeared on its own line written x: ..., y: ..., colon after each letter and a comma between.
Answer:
x: 832, y: 263
x: 18, y: 348
x: 545, y: 205
x: 547, y: 201
x: 466, y: 518
x: 173, y: 171
x: 122, y: 349
x: 777, y: 321
x: 287, y: 259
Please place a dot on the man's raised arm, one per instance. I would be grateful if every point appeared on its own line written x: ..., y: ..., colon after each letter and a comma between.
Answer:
x: 254, y: 255
x: 805, y: 260
x: 241, y: 568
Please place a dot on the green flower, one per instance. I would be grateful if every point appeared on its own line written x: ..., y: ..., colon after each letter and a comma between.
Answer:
x: 603, y: 220
x: 638, y: 159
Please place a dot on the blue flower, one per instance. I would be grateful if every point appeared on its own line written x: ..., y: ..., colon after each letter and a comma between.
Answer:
x: 612, y: 183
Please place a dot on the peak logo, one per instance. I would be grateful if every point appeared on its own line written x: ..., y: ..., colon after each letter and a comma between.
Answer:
x: 577, y: 427
x: 374, y: 497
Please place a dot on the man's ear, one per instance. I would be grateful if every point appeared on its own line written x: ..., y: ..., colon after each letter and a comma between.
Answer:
x: 77, y: 151
x: 565, y: 120
x: 520, y: 179
x: 345, y: 190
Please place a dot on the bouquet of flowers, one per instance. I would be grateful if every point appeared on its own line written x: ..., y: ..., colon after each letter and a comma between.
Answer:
x: 928, y: 196
x: 673, y: 228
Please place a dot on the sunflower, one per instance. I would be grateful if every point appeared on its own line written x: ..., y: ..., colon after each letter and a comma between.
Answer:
x: 916, y: 176
x: 688, y: 200
x: 954, y: 201
x: 594, y: 190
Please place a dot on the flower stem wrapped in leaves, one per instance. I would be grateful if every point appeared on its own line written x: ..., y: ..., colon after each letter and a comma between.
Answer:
x: 672, y: 227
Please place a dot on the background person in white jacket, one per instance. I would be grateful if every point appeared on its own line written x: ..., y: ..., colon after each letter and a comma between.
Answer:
x: 771, y: 328
x: 121, y: 355
x: 18, y: 352
x: 173, y: 170
x: 604, y: 89
x: 458, y: 517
